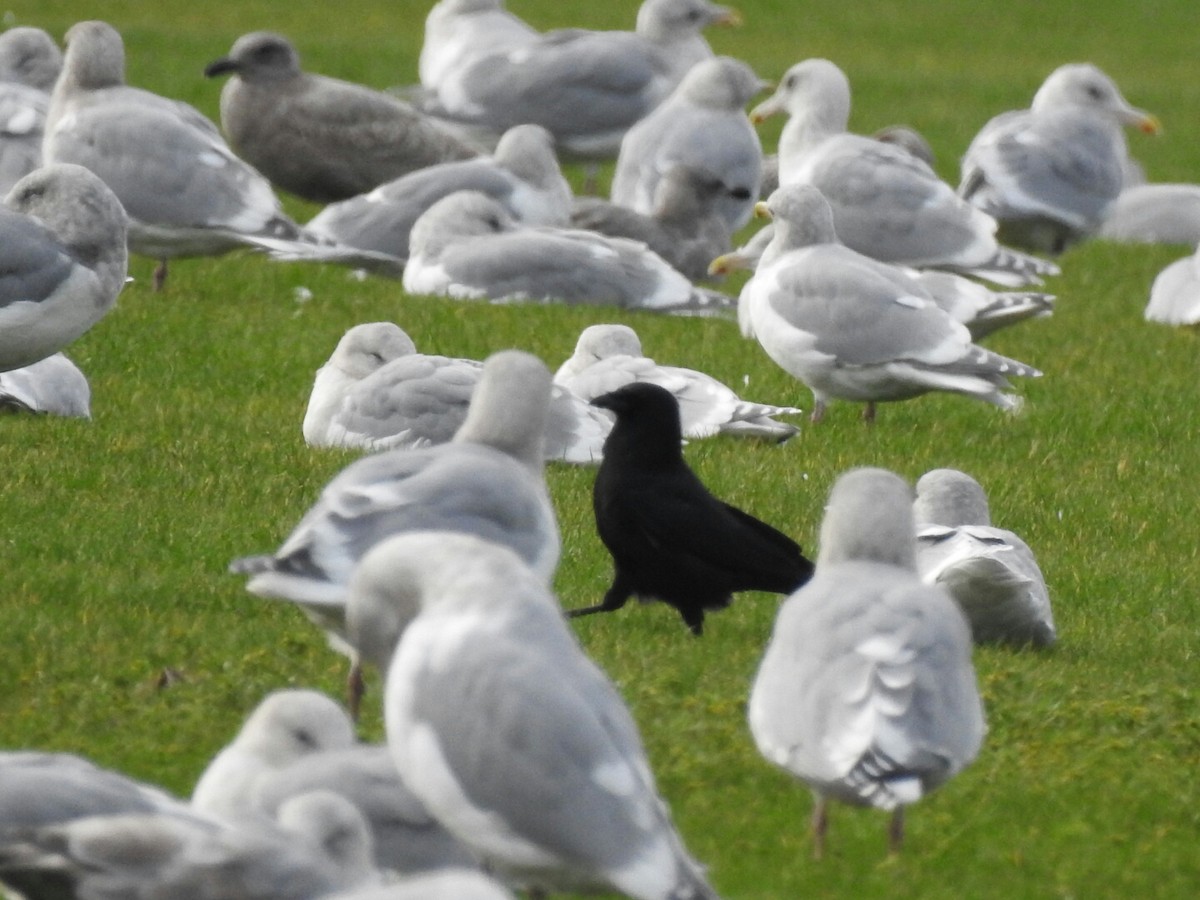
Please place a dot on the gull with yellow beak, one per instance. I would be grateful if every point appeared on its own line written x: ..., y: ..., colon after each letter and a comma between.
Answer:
x: 1052, y: 173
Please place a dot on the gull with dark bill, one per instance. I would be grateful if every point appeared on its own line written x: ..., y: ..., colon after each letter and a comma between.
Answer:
x: 321, y: 138
x: 184, y: 190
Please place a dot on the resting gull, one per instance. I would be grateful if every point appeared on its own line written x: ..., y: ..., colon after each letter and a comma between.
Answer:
x: 1155, y: 214
x: 63, y: 260
x: 405, y: 837
x: 608, y: 357
x: 319, y: 845
x: 703, y: 125
x: 488, y: 480
x: 321, y: 138
x: 467, y: 246
x: 445, y: 884
x: 377, y: 392
x: 47, y: 788
x: 586, y: 87
x: 1051, y: 173
x: 1175, y: 293
x: 887, y: 203
x: 185, y: 191
x: 853, y: 328
x: 990, y: 572
x: 866, y: 692
x: 522, y: 174
x: 29, y: 64
x: 286, y: 726
x: 505, y: 729
x: 53, y: 385
x: 683, y: 226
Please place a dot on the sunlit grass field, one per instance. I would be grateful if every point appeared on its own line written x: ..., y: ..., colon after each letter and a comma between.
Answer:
x: 125, y: 640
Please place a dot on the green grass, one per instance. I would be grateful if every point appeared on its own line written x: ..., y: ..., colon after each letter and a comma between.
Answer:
x: 115, y: 534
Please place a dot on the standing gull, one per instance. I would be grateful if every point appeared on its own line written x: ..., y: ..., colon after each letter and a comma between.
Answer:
x: 703, y: 125
x: 586, y: 87
x: 853, y: 328
x: 488, y: 480
x: 53, y: 385
x: 990, y: 572
x: 321, y: 138
x: 29, y: 64
x: 63, y: 260
x: 608, y: 357
x: 522, y: 174
x: 866, y: 692
x: 185, y: 191
x: 1051, y: 173
x: 378, y: 393
x: 505, y: 729
x: 467, y: 246
x: 887, y: 203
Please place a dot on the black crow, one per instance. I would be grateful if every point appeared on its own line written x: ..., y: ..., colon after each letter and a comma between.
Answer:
x: 670, y: 539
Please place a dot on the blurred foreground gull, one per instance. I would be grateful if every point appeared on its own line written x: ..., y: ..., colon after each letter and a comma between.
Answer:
x: 459, y: 33
x: 378, y: 393
x: 990, y: 572
x: 522, y: 174
x: 887, y: 203
x: 319, y: 845
x: 53, y: 385
x: 63, y: 259
x: 185, y: 191
x: 321, y: 138
x: 444, y: 884
x: 488, y: 481
x: 47, y: 788
x: 866, y: 692
x: 286, y: 726
x: 1155, y: 214
x: 586, y: 87
x: 1175, y: 293
x: 669, y: 537
x: 505, y: 729
x: 608, y: 357
x: 702, y: 125
x: 467, y: 246
x: 29, y: 64
x: 1050, y: 174
x: 853, y: 328
x: 299, y: 741
x: 683, y: 225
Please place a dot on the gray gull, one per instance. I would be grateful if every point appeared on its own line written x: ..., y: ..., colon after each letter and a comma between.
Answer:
x: 853, y: 328
x: 506, y: 730
x: 866, y: 691
x: 1051, y: 173
x: 63, y: 260
x: 990, y: 572
x: 53, y: 385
